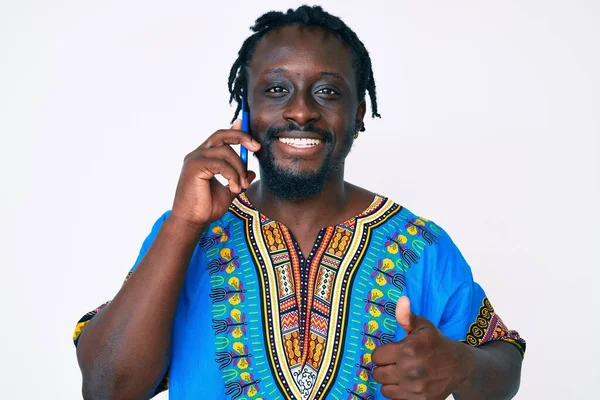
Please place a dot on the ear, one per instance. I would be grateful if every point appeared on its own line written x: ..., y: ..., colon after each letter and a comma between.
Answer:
x: 360, y: 115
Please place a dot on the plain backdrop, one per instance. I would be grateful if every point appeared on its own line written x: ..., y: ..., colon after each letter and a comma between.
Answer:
x: 490, y: 127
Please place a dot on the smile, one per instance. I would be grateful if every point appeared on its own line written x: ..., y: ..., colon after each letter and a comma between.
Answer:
x: 300, y: 142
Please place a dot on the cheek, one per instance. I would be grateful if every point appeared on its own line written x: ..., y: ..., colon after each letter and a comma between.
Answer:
x: 337, y: 123
x: 262, y: 120
x: 347, y: 120
x: 344, y: 130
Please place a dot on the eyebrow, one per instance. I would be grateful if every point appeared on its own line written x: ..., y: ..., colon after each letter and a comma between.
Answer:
x: 272, y: 71
x: 275, y: 71
x: 334, y: 74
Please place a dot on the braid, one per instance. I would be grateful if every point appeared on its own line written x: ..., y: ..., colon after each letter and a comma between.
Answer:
x: 309, y: 16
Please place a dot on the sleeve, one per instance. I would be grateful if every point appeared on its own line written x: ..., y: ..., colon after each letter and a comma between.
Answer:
x: 466, y: 312
x: 81, y: 324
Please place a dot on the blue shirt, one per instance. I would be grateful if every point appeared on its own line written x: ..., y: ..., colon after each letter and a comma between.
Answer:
x: 257, y: 319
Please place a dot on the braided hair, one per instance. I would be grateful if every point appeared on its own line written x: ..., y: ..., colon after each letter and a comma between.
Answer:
x: 308, y: 16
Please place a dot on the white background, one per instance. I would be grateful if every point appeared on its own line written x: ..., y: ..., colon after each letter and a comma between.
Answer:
x: 490, y: 127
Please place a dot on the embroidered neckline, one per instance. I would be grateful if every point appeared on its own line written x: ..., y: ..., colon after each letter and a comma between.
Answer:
x: 375, y: 204
x: 305, y: 303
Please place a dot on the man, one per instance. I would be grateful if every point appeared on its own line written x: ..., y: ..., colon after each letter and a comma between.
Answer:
x: 303, y: 286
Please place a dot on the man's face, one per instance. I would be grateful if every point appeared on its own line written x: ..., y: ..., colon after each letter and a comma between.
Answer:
x: 303, y: 108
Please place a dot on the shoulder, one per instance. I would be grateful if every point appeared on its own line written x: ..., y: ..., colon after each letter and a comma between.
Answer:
x: 217, y: 226
x: 421, y: 240
x: 413, y: 225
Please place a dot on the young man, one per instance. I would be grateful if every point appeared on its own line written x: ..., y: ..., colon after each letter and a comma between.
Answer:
x: 304, y: 286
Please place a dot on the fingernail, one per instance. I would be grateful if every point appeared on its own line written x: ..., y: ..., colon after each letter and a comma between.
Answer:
x: 245, y: 183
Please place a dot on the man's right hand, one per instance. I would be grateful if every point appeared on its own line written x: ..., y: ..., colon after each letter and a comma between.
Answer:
x: 124, y: 351
x: 200, y: 198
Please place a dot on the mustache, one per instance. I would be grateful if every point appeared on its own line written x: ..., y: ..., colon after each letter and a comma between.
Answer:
x: 326, y: 136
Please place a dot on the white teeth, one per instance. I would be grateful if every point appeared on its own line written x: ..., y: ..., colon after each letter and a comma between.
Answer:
x: 300, y: 142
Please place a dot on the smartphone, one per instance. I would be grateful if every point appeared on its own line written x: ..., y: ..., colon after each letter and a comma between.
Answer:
x: 245, y: 128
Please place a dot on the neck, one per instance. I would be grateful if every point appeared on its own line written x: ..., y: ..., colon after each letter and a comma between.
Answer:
x: 324, y: 209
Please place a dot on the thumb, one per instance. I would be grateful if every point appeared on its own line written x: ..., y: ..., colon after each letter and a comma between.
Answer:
x: 251, y: 176
x: 404, y: 316
x: 237, y: 124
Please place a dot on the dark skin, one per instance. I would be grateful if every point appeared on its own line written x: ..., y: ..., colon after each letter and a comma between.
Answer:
x: 428, y: 365
x: 304, y: 75
x: 124, y: 351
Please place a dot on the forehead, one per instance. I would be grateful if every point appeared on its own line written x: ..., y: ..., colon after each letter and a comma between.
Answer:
x: 298, y: 47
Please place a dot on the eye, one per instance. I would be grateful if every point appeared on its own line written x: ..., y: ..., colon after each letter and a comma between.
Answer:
x: 277, y: 89
x: 327, y: 92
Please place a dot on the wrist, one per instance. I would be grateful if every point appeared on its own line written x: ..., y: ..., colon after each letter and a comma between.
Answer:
x: 184, y: 226
x: 466, y: 360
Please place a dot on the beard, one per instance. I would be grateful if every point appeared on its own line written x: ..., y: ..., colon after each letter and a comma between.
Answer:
x: 294, y: 185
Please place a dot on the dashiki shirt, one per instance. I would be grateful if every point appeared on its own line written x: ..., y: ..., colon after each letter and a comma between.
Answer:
x: 257, y: 319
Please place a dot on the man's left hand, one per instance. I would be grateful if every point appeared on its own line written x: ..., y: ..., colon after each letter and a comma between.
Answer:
x: 424, y: 365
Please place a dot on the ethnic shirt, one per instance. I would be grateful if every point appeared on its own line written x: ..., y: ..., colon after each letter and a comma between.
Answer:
x: 257, y: 319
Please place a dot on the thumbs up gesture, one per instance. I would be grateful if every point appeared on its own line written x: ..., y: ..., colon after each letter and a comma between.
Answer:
x: 424, y: 365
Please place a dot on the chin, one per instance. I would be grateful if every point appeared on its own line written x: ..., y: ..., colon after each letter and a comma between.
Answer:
x: 296, y: 179
x: 293, y: 183
x: 299, y: 170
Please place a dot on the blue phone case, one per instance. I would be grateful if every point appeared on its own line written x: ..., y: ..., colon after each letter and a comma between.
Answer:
x: 245, y: 128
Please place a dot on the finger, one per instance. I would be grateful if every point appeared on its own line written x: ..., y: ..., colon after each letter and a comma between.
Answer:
x: 231, y: 136
x: 251, y: 176
x: 237, y: 124
x: 414, y: 372
x: 386, y: 375
x: 435, y: 389
x: 411, y: 347
x: 399, y: 392
x: 228, y: 154
x: 209, y: 167
x: 223, y: 194
x: 385, y: 354
x: 405, y: 318
x: 395, y: 392
x: 409, y: 321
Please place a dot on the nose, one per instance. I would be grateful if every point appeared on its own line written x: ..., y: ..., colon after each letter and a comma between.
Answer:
x: 301, y: 110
